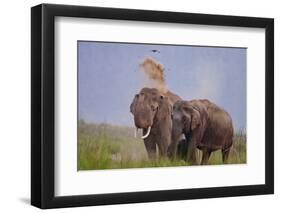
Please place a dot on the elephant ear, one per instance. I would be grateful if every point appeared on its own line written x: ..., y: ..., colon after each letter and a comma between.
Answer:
x: 195, y: 119
x: 193, y: 113
x: 200, y: 115
x: 132, y: 106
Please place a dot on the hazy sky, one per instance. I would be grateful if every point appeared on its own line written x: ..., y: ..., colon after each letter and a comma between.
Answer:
x: 109, y: 77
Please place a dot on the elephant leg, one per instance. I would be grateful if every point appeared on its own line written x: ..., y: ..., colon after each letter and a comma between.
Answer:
x: 225, y: 155
x: 191, y: 152
x: 163, y: 147
x: 162, y: 150
x: 192, y: 157
x: 182, y: 149
x: 205, y: 157
x: 151, y: 149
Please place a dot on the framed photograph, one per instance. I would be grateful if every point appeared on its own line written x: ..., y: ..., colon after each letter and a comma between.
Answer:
x: 139, y: 106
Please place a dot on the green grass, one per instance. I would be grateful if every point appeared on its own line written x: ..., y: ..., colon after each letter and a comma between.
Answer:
x: 104, y: 146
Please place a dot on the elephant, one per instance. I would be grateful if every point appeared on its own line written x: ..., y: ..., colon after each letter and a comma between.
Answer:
x: 205, y: 125
x: 152, y: 113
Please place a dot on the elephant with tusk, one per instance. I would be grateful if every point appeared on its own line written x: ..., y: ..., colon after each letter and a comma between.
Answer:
x: 152, y: 113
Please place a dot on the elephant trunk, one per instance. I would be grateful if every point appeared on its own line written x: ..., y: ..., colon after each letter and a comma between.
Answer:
x: 176, y: 134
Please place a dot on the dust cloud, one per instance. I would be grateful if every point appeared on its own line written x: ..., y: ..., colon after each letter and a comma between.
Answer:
x: 154, y: 74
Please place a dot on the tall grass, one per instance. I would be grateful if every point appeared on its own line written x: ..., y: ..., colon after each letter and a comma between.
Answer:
x: 104, y: 146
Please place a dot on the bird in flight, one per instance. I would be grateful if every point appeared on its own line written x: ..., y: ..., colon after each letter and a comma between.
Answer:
x: 155, y: 51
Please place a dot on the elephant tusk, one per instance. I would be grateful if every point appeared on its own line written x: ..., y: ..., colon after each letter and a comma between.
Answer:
x: 147, y: 133
x: 136, y: 132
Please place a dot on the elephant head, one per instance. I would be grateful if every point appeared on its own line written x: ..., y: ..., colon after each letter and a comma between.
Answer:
x: 189, y: 118
x: 149, y: 108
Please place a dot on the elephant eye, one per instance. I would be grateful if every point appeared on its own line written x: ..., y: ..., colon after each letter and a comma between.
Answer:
x: 137, y: 95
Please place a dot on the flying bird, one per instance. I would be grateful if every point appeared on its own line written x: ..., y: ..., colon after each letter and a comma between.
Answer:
x: 155, y: 51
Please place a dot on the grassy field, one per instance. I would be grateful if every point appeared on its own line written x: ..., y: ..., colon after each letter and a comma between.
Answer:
x: 104, y: 146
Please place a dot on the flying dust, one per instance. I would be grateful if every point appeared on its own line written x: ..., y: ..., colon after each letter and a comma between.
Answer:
x: 154, y: 72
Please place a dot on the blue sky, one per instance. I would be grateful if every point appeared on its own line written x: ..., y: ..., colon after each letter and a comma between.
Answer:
x: 109, y: 77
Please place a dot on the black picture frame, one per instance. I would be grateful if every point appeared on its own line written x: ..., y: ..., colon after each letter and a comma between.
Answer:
x: 43, y: 102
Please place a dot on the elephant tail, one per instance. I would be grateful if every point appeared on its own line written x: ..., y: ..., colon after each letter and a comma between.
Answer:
x: 228, y: 142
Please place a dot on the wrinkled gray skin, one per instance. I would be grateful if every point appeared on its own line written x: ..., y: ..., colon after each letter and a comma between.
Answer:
x: 205, y: 126
x: 152, y: 108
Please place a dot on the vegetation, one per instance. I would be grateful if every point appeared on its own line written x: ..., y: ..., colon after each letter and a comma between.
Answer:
x: 105, y: 146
